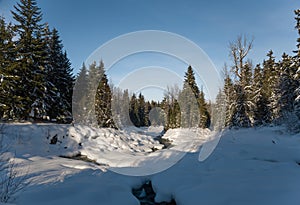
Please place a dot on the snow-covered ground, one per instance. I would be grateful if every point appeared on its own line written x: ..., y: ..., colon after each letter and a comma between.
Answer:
x: 248, y: 166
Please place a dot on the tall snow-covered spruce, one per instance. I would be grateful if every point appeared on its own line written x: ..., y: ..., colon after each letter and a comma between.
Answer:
x: 103, y: 100
x: 36, y: 74
x: 9, y: 102
x: 296, y: 67
x: 31, y: 58
x: 59, y: 80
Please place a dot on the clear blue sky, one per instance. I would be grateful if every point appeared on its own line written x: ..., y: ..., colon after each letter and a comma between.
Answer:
x: 86, y: 25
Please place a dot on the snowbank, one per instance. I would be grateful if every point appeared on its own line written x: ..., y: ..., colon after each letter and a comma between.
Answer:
x: 249, y: 166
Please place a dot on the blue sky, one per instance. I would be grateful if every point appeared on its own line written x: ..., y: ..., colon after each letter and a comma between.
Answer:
x: 86, y: 25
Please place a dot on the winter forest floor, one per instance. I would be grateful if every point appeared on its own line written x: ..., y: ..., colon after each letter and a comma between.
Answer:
x: 248, y: 166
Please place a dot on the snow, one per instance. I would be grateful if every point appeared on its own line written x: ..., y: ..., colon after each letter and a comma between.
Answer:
x: 247, y: 166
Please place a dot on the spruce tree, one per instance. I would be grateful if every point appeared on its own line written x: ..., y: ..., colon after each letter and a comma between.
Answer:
x: 95, y: 73
x: 166, y: 108
x: 203, y: 110
x: 241, y: 106
x: 125, y: 109
x: 261, y: 112
x: 80, y: 98
x: 188, y: 101
x: 241, y: 116
x: 134, y: 111
x: 271, y: 84
x: 103, y: 99
x: 30, y: 60
x: 296, y: 66
x: 8, y: 76
x: 219, y: 111
x: 141, y: 110
x: 229, y: 100
x: 286, y: 88
x: 59, y: 80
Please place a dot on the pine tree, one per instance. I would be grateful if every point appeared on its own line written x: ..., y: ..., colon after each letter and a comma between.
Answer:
x: 30, y: 63
x: 103, y: 100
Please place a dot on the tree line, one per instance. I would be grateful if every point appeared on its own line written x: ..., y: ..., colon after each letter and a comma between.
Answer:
x: 36, y: 83
x: 100, y: 104
x: 268, y: 93
x: 36, y: 79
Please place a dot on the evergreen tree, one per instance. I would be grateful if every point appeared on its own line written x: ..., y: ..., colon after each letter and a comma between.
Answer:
x: 271, y: 84
x: 30, y: 60
x: 286, y: 88
x: 240, y: 117
x: 229, y: 100
x: 261, y: 112
x: 203, y: 109
x: 296, y: 66
x: 141, y: 111
x: 95, y: 73
x: 219, y: 111
x: 103, y: 100
x: 188, y: 101
x: 147, y: 112
x: 59, y: 80
x: 80, y: 98
x: 8, y: 76
x: 134, y: 111
x: 241, y: 106
x: 125, y: 118
x: 171, y: 106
